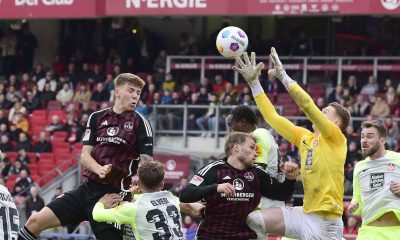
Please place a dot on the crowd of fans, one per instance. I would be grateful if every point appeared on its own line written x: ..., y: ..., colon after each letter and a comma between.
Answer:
x: 80, y: 82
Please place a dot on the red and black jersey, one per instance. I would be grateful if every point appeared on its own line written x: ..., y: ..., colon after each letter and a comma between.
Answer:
x: 225, y: 216
x: 118, y: 139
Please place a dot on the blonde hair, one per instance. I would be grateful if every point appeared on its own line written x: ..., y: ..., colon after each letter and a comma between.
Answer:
x: 236, y: 138
x: 129, y: 78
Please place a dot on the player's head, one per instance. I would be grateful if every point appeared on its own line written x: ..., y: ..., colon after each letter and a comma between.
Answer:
x: 241, y: 147
x: 241, y: 119
x: 338, y: 115
x: 128, y: 88
x: 373, y: 137
x: 151, y: 176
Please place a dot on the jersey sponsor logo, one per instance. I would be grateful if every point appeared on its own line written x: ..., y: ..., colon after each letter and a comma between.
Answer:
x: 239, y: 196
x: 377, y: 180
x: 238, y: 184
x: 86, y: 137
x: 196, y: 180
x: 249, y: 176
x: 128, y: 126
x: 112, y: 131
x: 226, y: 178
x: 116, y: 140
x: 105, y: 123
x: 391, y: 167
x: 259, y: 149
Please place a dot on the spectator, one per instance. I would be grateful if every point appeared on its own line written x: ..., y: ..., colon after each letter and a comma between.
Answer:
x: 3, y: 129
x: 149, y: 94
x: 229, y: 90
x: 386, y: 86
x: 167, y: 98
x: 27, y: 83
x: 391, y: 97
x: 361, y: 107
x: 176, y: 188
x: 194, y: 113
x: 46, y: 95
x: 43, y: 145
x: 4, y: 103
x: 6, y: 166
x: 5, y: 144
x: 34, y: 203
x: 273, y: 87
x: 204, y: 96
x: 169, y: 83
x: 240, y: 97
x: 159, y: 67
x: 23, y: 157
x: 16, y: 109
x: 66, y: 94
x: 207, y: 118
x: 371, y: 88
x: 3, y: 117
x: 205, y: 83
x: 352, y: 85
x: 393, y: 133
x: 85, y: 110
x: 13, y: 93
x: 21, y: 122
x: 22, y: 183
x: 17, y: 168
x: 109, y: 83
x: 55, y: 125
x: 38, y: 73
x: 100, y: 94
x: 321, y: 103
x: 302, y: 46
x: 143, y: 109
x: 348, y: 178
x: 188, y: 223
x: 13, y: 134
x: 353, y: 153
x: 219, y: 85
x: 336, y: 94
x: 48, y: 79
x: 351, y: 226
x: 98, y: 76
x: 32, y: 101
x: 186, y: 94
x: 380, y: 108
x: 24, y: 143
x: 85, y: 74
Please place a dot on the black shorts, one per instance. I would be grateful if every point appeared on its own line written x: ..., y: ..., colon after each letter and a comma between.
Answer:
x: 77, y: 205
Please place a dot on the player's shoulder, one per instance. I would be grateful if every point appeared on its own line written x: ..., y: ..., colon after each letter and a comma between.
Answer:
x: 360, y: 165
x: 96, y: 114
x: 211, y: 167
x: 4, y: 189
x: 395, y: 156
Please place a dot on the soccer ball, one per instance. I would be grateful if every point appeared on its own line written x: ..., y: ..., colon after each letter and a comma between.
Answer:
x: 232, y: 42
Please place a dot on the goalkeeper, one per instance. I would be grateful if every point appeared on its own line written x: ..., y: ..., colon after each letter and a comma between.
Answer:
x: 376, y: 186
x: 322, y: 155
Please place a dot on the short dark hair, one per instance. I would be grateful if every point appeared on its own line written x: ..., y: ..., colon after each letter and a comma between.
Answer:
x: 245, y: 113
x: 235, y: 138
x: 151, y: 174
x: 380, y: 127
x: 343, y: 114
x: 130, y: 78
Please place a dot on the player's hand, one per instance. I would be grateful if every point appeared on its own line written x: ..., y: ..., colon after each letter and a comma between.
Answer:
x: 135, y: 188
x: 290, y: 170
x: 278, y: 71
x: 110, y: 200
x: 197, y: 209
x: 395, y: 188
x: 104, y: 170
x: 248, y: 69
x: 353, y: 206
x: 226, y: 188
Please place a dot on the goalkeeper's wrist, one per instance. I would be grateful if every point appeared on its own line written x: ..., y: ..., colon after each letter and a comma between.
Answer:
x: 256, y: 88
x: 287, y: 81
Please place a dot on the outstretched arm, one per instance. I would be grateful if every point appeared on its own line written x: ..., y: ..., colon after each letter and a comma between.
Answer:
x: 302, y: 99
x: 281, y: 125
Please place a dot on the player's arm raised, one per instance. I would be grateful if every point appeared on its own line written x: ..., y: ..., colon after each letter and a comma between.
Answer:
x: 251, y: 73
x: 302, y: 99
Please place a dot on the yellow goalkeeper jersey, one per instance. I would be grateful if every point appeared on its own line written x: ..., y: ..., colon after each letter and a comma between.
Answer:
x: 322, y: 155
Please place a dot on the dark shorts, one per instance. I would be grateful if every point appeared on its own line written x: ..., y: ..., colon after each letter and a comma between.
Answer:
x: 77, y: 205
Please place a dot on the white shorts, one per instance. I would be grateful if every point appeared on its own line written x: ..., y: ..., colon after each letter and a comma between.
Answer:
x: 310, y: 226
x: 268, y: 203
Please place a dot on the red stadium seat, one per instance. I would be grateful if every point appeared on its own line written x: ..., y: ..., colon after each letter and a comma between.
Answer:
x: 32, y: 157
x: 51, y: 105
x: 10, y: 185
x: 12, y: 156
x: 33, y: 168
x: 60, y: 136
x: 39, y: 114
x: 46, y: 157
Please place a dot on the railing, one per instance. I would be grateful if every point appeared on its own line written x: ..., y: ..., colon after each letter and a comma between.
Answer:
x: 179, y: 115
x: 374, y: 65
